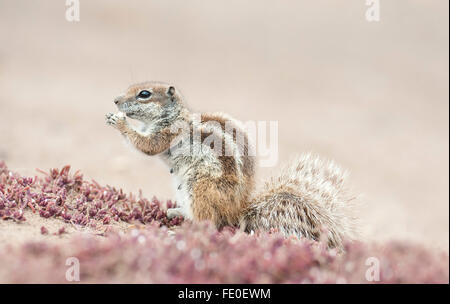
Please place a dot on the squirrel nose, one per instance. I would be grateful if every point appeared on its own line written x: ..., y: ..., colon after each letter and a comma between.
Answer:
x: 119, y: 99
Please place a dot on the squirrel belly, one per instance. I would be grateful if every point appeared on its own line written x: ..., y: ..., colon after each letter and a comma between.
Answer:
x: 213, y: 170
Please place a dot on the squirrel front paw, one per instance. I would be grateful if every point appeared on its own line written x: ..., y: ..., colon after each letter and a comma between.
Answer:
x: 116, y: 120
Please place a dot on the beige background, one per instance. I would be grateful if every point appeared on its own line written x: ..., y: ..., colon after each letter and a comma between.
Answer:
x: 372, y: 96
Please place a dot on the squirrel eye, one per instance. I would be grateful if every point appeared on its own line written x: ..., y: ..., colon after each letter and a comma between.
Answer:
x: 144, y: 94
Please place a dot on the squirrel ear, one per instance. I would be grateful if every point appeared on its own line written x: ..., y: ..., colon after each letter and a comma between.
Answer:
x: 171, y: 91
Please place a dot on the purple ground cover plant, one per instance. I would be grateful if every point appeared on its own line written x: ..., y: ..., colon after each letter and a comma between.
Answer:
x: 160, y: 250
x: 58, y: 194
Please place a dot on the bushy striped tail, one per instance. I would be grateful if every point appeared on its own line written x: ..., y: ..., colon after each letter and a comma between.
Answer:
x: 306, y: 199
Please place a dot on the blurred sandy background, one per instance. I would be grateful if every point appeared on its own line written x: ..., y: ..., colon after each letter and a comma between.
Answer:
x: 372, y: 96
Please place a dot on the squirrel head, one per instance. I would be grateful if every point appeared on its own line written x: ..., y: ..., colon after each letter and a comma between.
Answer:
x: 151, y: 102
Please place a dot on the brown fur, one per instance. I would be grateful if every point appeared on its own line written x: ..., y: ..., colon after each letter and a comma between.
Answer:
x: 150, y: 145
x: 222, y: 200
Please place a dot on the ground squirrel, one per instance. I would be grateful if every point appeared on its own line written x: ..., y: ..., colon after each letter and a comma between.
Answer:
x: 214, y: 171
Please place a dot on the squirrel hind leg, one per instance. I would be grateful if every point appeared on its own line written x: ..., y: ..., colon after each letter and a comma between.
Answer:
x: 212, y: 202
